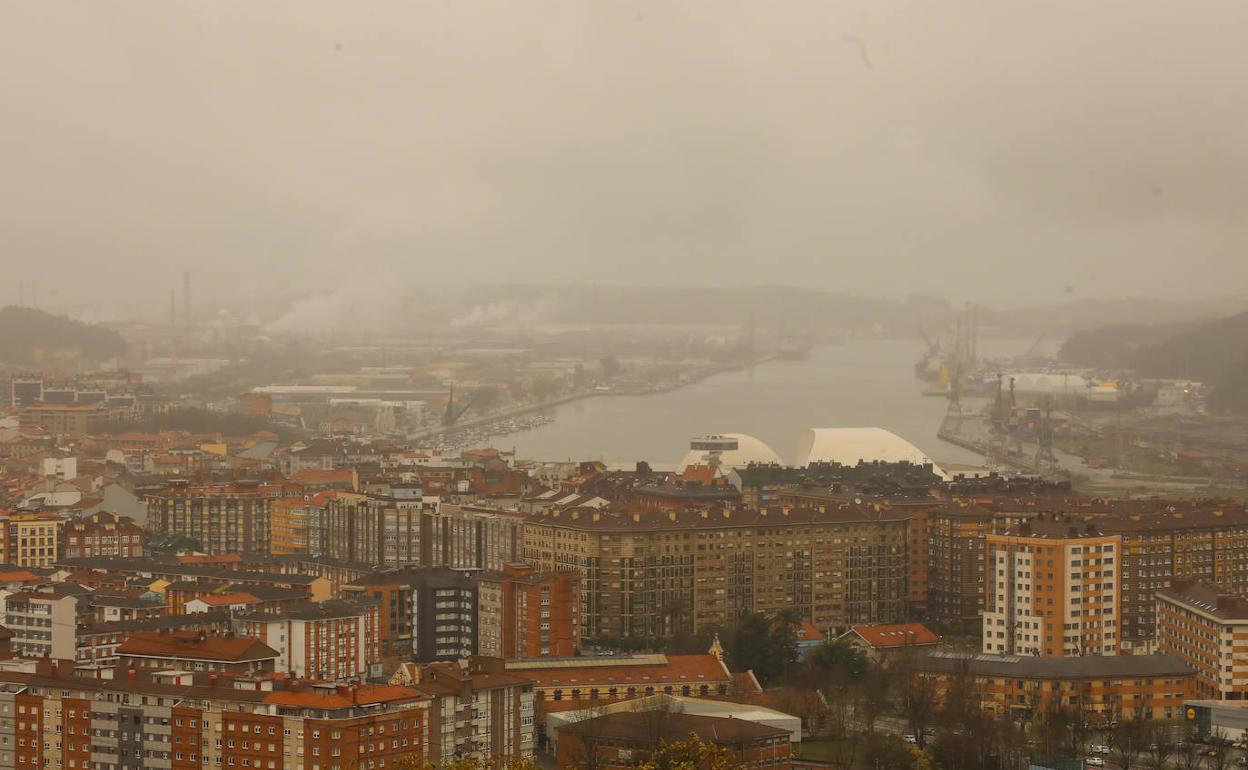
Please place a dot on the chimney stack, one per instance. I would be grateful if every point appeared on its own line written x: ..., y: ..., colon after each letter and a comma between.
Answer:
x: 186, y: 298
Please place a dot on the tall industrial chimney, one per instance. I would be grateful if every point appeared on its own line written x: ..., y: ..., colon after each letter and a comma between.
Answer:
x: 186, y: 298
x: 173, y: 318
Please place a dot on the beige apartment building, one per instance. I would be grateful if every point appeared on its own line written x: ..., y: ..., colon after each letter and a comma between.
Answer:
x: 657, y: 573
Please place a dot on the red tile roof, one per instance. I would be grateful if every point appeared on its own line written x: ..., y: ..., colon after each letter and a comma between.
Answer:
x: 195, y: 646
x: 344, y: 697
x: 320, y: 476
x: 806, y: 632
x: 897, y: 635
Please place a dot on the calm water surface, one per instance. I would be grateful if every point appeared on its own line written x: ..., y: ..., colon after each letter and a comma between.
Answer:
x: 861, y: 383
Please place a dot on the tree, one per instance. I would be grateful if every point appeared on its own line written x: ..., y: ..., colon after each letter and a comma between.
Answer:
x: 872, y: 697
x: 1219, y: 755
x: 756, y: 643
x: 1161, y: 745
x: 691, y: 754
x: 1189, y: 753
x: 918, y: 703
x: 1126, y: 740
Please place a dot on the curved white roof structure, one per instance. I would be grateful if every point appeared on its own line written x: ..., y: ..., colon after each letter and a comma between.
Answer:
x: 848, y: 446
x: 749, y: 450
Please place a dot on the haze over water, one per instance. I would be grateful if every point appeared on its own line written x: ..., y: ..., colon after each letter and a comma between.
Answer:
x: 861, y: 383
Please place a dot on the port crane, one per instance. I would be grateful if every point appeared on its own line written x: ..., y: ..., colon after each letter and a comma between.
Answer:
x: 452, y: 414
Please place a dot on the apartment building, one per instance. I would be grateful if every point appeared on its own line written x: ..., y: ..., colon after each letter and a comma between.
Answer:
x: 30, y: 539
x: 653, y: 574
x: 198, y: 651
x: 1100, y: 688
x: 1053, y: 590
x: 1201, y: 542
x: 522, y: 613
x: 223, y: 519
x: 422, y: 531
x: 69, y: 420
x: 289, y: 523
x: 480, y: 710
x: 43, y: 621
x: 568, y: 684
x: 102, y: 534
x: 426, y: 613
x: 333, y: 640
x: 1206, y: 626
x: 953, y: 552
x: 185, y: 720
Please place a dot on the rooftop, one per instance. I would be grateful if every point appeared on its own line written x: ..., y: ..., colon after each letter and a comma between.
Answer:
x: 1028, y: 667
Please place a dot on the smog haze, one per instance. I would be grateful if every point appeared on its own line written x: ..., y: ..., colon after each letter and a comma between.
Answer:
x: 1006, y: 153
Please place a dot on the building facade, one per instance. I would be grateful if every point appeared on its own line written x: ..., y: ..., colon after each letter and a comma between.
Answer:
x: 333, y: 640
x: 1053, y: 591
x: 1100, y: 689
x: 1207, y: 627
x: 525, y: 614
x: 223, y: 520
x: 30, y: 539
x: 102, y: 534
x: 659, y: 573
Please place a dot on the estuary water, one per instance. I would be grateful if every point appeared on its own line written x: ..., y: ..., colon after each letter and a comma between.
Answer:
x: 859, y: 383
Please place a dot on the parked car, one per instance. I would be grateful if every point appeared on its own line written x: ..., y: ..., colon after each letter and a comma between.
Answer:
x: 1095, y: 762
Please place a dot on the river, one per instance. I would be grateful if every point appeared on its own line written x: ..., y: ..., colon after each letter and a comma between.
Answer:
x: 860, y: 383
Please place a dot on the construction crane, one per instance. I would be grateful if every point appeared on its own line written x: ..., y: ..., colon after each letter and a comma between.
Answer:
x: 452, y: 415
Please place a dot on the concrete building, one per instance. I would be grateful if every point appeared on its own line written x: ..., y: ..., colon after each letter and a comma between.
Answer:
x: 426, y: 613
x: 43, y: 622
x: 1053, y: 590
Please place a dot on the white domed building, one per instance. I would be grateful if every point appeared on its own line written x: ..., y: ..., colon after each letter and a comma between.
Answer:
x: 849, y: 446
x: 728, y: 450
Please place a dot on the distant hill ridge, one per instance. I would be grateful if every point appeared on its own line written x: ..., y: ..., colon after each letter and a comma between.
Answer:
x: 25, y: 332
x: 1214, y: 352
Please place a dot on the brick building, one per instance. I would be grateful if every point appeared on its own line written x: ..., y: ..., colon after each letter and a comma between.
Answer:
x: 525, y: 614
x: 1206, y: 627
x: 186, y: 720
x: 1102, y: 688
x: 102, y: 534
x: 333, y: 640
